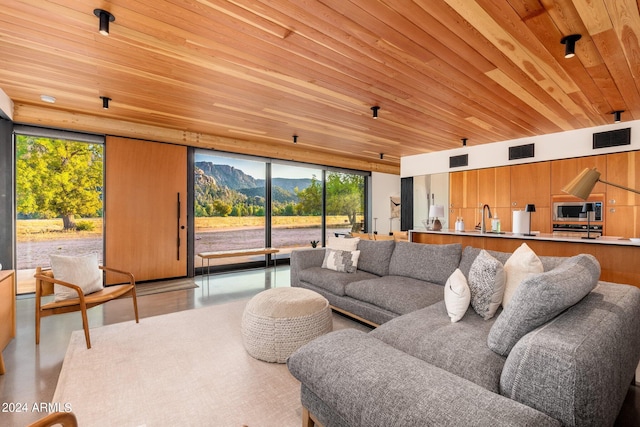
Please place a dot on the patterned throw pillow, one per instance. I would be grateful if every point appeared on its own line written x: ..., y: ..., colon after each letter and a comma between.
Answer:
x: 342, y: 261
x: 456, y: 295
x: 486, y: 282
x: 343, y: 243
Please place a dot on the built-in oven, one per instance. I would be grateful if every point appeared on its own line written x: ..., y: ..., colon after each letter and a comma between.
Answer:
x: 576, y: 212
x: 570, y: 218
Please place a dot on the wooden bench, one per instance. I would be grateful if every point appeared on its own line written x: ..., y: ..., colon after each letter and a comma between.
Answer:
x: 237, y: 253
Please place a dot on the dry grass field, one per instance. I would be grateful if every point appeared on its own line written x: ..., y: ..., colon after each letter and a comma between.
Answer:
x: 37, y: 230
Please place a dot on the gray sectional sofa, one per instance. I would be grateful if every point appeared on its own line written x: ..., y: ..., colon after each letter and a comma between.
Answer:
x: 563, y: 352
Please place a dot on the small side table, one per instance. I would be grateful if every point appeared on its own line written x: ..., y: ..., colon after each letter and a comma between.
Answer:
x: 7, y: 311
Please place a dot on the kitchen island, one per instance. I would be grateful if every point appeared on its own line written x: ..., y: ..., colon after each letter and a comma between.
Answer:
x: 619, y: 258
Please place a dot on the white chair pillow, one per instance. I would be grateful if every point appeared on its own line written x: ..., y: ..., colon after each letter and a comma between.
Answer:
x: 520, y: 265
x: 82, y: 271
x: 457, y: 295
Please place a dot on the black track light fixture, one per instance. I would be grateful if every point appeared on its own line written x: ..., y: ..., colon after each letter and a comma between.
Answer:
x: 617, y: 116
x: 105, y: 102
x: 381, y: 156
x: 295, y: 139
x: 464, y: 141
x: 569, y: 43
x: 375, y: 110
x: 105, y: 17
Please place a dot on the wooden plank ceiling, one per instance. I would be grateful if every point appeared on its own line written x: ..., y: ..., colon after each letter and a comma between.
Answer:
x: 247, y: 75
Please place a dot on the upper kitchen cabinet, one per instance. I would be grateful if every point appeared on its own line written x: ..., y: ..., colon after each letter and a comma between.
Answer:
x: 463, y: 189
x: 494, y: 187
x: 563, y: 171
x: 622, y: 169
x: 531, y: 183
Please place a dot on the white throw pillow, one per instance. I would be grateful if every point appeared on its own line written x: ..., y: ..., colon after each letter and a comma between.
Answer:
x: 520, y: 265
x: 457, y: 295
x: 343, y: 243
x: 486, y: 282
x: 82, y: 271
x: 342, y: 261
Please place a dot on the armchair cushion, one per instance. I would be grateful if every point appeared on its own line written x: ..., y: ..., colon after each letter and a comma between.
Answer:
x: 82, y: 271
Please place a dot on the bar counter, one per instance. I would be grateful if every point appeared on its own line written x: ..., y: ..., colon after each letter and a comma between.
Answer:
x: 619, y: 258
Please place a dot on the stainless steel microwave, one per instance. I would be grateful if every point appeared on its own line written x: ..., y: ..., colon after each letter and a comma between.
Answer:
x: 574, y: 211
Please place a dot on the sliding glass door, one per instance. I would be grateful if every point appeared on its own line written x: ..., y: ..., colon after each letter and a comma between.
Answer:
x: 345, y: 203
x: 296, y: 212
x: 229, y: 205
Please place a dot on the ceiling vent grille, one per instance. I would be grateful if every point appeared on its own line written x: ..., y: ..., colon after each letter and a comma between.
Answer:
x: 521, y: 151
x: 612, y: 138
x: 458, y: 161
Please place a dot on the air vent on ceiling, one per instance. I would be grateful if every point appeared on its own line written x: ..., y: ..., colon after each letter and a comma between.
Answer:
x: 612, y: 138
x: 459, y: 161
x: 521, y: 151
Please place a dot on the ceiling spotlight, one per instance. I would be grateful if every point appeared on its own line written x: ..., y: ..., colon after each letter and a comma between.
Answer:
x: 617, y: 116
x: 48, y: 98
x: 105, y: 102
x: 105, y: 18
x: 375, y: 111
x: 464, y: 142
x: 381, y: 156
x: 295, y: 139
x: 569, y: 43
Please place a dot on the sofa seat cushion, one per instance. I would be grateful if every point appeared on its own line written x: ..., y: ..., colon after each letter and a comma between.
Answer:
x: 396, y: 293
x: 361, y: 381
x: 332, y: 281
x: 459, y: 348
x: 431, y: 263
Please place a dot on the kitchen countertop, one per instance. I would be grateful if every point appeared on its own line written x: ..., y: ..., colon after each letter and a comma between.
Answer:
x: 602, y: 240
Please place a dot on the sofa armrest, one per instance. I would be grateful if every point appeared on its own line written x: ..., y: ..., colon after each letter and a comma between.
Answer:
x: 578, y: 367
x: 365, y: 382
x: 302, y: 259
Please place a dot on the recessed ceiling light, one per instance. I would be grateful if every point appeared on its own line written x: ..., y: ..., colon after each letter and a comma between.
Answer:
x: 48, y: 98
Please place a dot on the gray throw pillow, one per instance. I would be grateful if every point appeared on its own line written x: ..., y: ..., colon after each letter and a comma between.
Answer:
x: 541, y: 297
x: 486, y: 282
x: 342, y: 261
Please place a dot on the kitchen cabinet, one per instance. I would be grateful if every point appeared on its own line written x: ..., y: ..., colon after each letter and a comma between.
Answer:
x: 563, y: 171
x: 7, y: 311
x: 622, y: 169
x: 494, y: 189
x: 463, y: 198
x: 531, y: 183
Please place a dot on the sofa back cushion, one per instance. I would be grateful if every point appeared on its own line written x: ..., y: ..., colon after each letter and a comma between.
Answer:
x: 431, y: 263
x: 470, y: 253
x: 375, y: 256
x: 541, y: 297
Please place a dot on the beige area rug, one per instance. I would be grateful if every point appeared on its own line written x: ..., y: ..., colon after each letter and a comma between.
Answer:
x: 158, y: 287
x: 181, y: 369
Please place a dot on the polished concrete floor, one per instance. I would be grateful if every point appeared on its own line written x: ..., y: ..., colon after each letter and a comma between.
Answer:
x: 32, y: 371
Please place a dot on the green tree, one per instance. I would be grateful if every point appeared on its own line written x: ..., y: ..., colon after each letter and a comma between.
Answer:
x: 221, y: 208
x: 310, y: 199
x: 58, y: 178
x: 345, y: 196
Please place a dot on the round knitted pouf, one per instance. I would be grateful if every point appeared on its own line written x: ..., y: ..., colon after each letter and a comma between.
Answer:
x: 278, y: 321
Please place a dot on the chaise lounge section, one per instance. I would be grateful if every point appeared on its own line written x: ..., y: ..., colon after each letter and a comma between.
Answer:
x: 562, y: 352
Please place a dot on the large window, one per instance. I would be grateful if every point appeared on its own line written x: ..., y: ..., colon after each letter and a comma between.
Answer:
x: 244, y: 202
x: 229, y: 205
x: 296, y: 200
x: 58, y: 201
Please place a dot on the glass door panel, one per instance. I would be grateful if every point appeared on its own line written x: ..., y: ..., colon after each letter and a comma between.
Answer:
x: 229, y: 205
x: 345, y: 203
x: 296, y: 207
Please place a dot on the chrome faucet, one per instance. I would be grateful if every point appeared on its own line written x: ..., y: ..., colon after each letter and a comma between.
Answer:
x: 483, y: 226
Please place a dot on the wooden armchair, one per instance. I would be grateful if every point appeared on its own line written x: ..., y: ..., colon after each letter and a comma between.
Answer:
x: 44, y: 287
x: 64, y: 419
